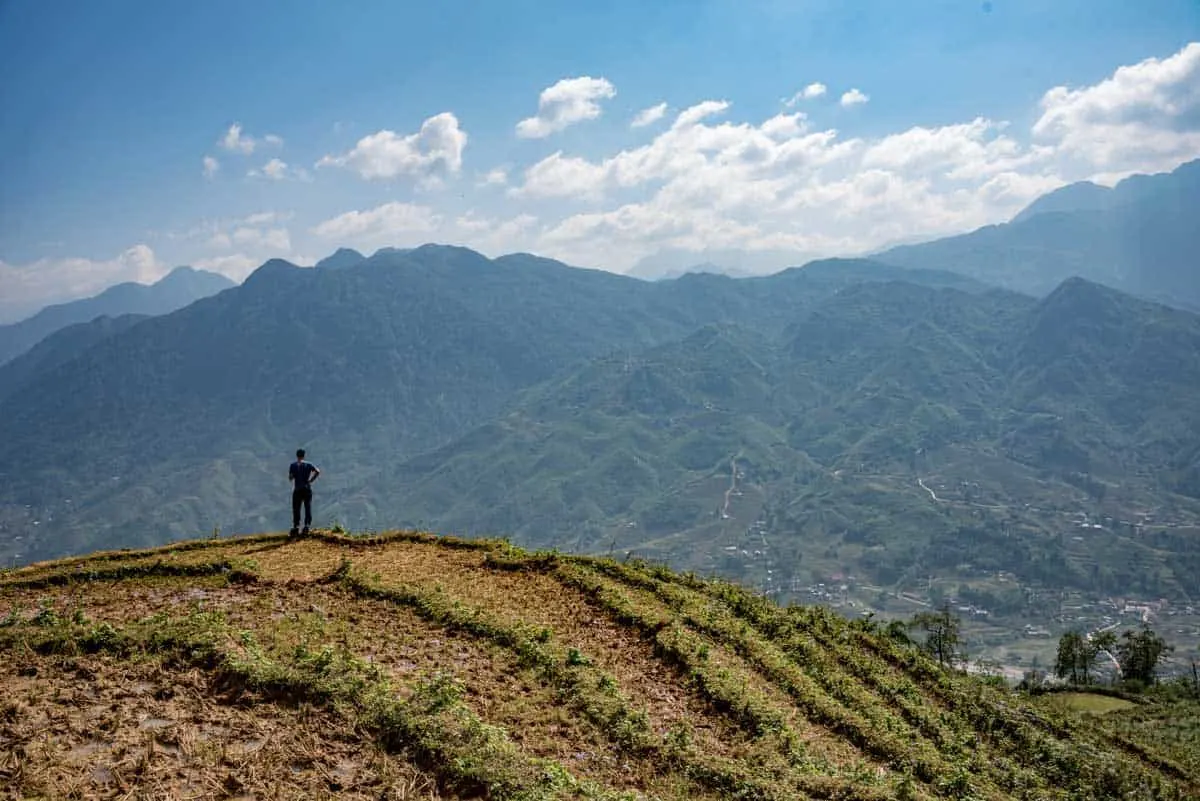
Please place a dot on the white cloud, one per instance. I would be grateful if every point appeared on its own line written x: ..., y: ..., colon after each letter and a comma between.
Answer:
x: 497, y: 176
x: 25, y: 288
x: 394, y: 220
x: 278, y: 170
x: 435, y: 150
x: 810, y: 92
x: 407, y: 224
x: 274, y: 240
x: 567, y: 102
x: 211, y: 165
x: 1145, y: 117
x: 235, y: 141
x: 275, y: 169
x: 266, y: 217
x: 235, y: 266
x: 853, y: 98
x: 649, y: 116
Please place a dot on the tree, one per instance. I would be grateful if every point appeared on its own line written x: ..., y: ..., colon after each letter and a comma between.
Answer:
x: 1071, y: 663
x: 943, y: 640
x: 1138, y: 654
x: 1077, y: 655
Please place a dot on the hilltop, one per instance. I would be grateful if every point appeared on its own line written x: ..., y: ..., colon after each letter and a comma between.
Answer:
x: 411, y: 666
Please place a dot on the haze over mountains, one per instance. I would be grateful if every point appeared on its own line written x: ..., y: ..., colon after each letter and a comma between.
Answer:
x: 1141, y: 236
x: 847, y: 417
x: 174, y: 291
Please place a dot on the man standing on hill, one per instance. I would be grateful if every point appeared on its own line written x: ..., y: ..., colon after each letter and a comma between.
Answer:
x: 302, y: 475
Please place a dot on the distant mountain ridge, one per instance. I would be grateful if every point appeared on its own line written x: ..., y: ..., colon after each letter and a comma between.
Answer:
x: 175, y: 290
x: 1141, y: 237
x: 382, y: 360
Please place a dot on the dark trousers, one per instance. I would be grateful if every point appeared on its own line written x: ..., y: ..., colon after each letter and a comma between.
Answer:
x: 302, y: 495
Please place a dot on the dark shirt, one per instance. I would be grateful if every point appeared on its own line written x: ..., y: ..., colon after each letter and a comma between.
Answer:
x: 301, y: 473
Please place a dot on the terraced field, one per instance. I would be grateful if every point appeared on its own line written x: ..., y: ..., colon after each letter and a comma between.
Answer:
x: 412, y: 666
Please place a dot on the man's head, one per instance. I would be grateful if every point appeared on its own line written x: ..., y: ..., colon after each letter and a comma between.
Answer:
x: 300, y: 453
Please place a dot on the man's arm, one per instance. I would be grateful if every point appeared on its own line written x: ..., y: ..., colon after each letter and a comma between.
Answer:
x: 316, y: 473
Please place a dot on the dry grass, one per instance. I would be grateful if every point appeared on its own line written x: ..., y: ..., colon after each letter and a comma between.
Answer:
x: 95, y: 727
x: 606, y: 680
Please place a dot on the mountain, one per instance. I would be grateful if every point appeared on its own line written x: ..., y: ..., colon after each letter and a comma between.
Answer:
x: 929, y: 436
x: 1081, y: 196
x: 892, y: 431
x: 1140, y: 237
x: 59, y: 348
x: 341, y: 259
x: 180, y: 417
x: 411, y: 666
x: 674, y: 262
x: 177, y: 289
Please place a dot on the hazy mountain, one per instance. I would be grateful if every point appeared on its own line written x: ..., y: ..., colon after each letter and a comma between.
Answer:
x: 341, y: 258
x: 674, y: 262
x: 1084, y: 402
x: 1081, y: 196
x: 59, y: 348
x: 177, y: 289
x: 1140, y: 237
x: 181, y: 418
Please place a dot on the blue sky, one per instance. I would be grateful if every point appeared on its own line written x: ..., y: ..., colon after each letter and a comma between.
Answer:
x: 111, y: 110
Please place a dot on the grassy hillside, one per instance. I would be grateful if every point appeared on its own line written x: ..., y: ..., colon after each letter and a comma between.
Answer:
x: 410, y: 666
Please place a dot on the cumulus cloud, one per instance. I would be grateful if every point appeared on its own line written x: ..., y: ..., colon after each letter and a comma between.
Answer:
x: 567, y: 102
x: 436, y: 149
x: 1144, y: 117
x: 278, y: 170
x: 810, y: 92
x: 853, y: 98
x: 275, y: 169
x: 497, y: 176
x: 394, y: 219
x: 236, y: 141
x: 780, y: 185
x: 649, y: 116
x: 25, y: 288
x: 408, y: 224
x: 211, y: 165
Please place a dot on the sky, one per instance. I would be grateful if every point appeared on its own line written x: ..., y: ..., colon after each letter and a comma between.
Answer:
x: 139, y: 136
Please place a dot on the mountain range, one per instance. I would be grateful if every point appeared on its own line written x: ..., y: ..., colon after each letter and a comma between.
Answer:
x: 1140, y: 236
x: 804, y: 413
x: 848, y: 417
x: 175, y: 290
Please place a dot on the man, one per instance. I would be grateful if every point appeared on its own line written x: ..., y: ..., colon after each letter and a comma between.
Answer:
x: 302, y: 475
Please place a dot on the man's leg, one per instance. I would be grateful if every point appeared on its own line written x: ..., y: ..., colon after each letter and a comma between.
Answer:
x: 297, y: 498
x: 307, y: 508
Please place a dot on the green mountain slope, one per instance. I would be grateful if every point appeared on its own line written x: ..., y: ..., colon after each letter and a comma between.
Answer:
x: 59, y: 348
x: 819, y: 442
x: 182, y: 421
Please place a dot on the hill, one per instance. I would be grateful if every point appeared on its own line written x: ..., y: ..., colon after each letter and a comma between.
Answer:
x: 174, y: 291
x: 786, y: 460
x: 1139, y: 237
x: 412, y: 666
x: 183, y: 418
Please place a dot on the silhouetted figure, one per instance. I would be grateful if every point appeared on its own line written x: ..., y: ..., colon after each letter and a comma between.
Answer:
x: 302, y: 475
